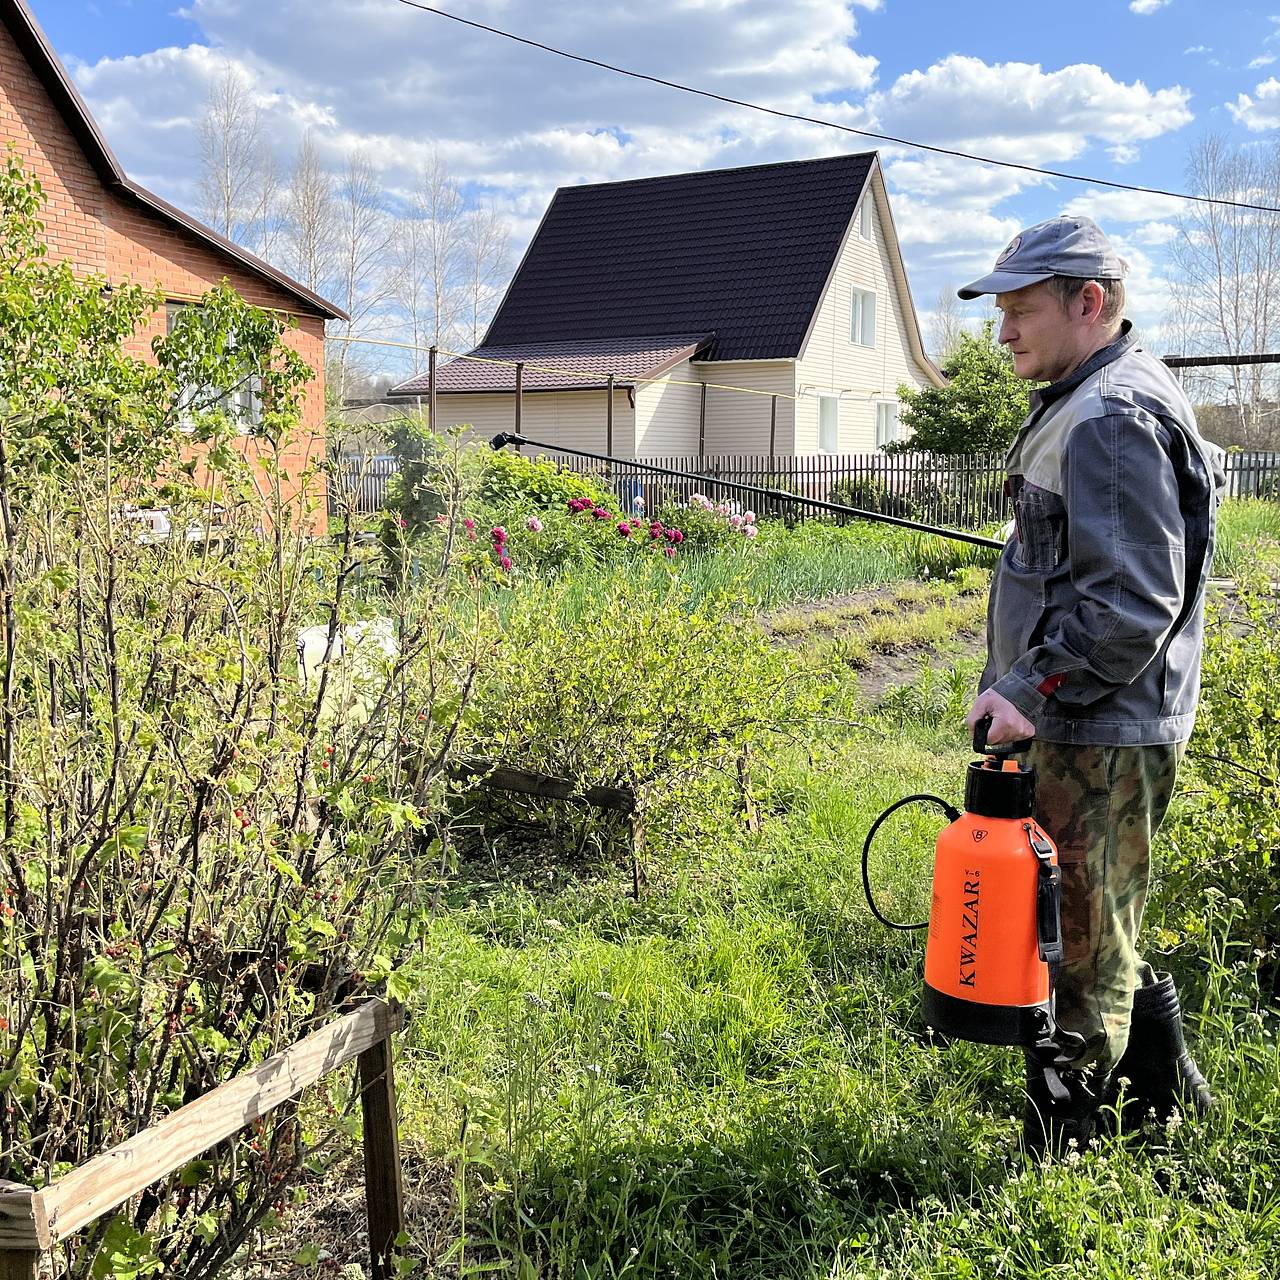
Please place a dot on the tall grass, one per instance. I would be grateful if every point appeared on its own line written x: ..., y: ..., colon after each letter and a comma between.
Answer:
x: 1248, y: 537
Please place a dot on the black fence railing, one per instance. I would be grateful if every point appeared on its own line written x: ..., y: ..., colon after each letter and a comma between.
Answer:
x: 964, y: 491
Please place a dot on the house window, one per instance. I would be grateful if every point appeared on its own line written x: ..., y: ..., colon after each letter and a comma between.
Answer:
x: 242, y: 404
x: 862, y: 323
x: 865, y: 228
x: 886, y: 422
x: 828, y: 424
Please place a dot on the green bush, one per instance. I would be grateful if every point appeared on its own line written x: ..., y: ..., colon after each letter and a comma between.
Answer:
x: 1224, y: 853
x: 627, y: 683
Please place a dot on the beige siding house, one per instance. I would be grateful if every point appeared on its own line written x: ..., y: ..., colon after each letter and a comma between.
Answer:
x: 736, y: 311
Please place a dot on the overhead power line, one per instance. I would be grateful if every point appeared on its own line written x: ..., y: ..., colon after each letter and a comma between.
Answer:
x: 831, y: 124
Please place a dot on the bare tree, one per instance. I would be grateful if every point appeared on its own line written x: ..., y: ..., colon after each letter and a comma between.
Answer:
x: 485, y: 252
x: 363, y: 237
x: 231, y: 157
x: 440, y: 206
x: 1226, y: 290
x: 410, y: 286
x: 267, y: 213
x: 310, y: 234
x: 947, y: 325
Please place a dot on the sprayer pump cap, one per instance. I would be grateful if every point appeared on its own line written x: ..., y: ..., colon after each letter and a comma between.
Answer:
x: 998, y: 792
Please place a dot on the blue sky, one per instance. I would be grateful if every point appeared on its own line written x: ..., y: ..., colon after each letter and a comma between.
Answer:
x: 1115, y: 88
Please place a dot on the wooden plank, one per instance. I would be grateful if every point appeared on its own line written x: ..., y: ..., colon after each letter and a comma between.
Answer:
x: 24, y: 1225
x: 383, y: 1185
x: 108, y: 1180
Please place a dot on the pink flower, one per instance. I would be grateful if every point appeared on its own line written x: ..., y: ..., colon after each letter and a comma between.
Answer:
x: 749, y: 531
x: 498, y: 534
x: 505, y: 562
x: 748, y: 517
x: 442, y: 518
x: 468, y: 524
x: 668, y: 552
x: 533, y: 524
x: 735, y: 522
x: 601, y: 514
x: 625, y: 529
x: 402, y: 522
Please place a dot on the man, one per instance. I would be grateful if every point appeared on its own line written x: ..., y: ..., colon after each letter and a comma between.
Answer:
x: 1095, y: 630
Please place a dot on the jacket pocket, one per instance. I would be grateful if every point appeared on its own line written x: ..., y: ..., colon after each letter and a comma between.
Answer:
x: 1041, y: 521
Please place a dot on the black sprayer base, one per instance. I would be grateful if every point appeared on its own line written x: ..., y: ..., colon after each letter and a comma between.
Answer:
x: 985, y: 1023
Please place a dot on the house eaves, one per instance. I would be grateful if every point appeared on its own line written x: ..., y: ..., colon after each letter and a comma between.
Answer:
x: 74, y: 111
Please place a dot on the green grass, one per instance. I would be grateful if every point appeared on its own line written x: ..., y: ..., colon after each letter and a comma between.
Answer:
x: 729, y: 1077
x: 1248, y: 537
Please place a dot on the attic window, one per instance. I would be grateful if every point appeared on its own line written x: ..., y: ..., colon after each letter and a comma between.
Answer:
x: 865, y: 228
x: 862, y: 318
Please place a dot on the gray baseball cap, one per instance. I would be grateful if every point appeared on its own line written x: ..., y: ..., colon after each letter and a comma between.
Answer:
x: 1060, y: 247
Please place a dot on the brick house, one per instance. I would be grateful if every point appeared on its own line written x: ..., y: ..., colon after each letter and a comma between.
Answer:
x: 755, y: 310
x: 104, y: 223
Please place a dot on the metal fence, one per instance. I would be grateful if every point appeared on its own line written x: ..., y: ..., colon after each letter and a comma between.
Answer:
x: 965, y: 491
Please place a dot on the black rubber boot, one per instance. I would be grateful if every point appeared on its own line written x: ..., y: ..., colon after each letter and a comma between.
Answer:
x: 1061, y: 1110
x: 1157, y: 1075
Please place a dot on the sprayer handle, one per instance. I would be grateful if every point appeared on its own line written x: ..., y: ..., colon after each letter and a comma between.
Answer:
x: 980, y: 745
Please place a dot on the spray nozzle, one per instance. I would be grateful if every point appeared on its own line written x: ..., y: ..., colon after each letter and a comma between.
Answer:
x: 1003, y: 750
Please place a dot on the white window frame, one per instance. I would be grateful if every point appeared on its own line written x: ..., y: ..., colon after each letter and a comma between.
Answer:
x: 833, y: 444
x: 862, y: 317
x: 888, y: 422
x: 243, y: 405
x: 866, y: 227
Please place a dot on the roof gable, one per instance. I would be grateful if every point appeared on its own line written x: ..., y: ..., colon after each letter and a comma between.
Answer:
x: 71, y: 106
x: 744, y: 252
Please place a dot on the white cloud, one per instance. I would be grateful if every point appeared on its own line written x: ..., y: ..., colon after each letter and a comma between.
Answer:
x: 1106, y: 207
x: 1261, y: 111
x: 1197, y: 48
x: 1145, y: 7
x: 1262, y: 60
x: 1017, y: 111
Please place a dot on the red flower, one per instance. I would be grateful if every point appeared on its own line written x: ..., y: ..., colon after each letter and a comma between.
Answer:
x: 625, y: 529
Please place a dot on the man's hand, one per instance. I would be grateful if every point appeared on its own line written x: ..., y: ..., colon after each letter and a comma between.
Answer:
x: 1008, y: 724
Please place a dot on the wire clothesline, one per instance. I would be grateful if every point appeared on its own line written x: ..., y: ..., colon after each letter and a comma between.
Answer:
x: 593, y: 374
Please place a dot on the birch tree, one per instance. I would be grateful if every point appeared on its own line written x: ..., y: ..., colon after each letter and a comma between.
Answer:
x: 486, y: 248
x: 362, y: 239
x: 309, y: 237
x: 1226, y: 290
x: 232, y: 148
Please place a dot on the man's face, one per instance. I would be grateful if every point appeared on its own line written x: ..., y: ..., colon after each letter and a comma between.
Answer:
x: 1040, y: 332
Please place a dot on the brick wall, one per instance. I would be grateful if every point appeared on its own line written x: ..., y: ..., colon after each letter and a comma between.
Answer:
x: 105, y: 231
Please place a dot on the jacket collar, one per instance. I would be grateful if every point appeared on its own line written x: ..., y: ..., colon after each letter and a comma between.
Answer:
x: 1103, y: 356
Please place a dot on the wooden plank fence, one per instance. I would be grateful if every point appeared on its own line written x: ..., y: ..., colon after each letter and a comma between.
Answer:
x: 33, y: 1221
x: 963, y: 491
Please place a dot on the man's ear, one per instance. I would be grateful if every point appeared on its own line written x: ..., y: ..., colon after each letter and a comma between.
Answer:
x: 1090, y: 301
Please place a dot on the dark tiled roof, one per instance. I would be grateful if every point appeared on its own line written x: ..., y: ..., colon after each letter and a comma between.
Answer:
x: 559, y: 365
x: 741, y: 252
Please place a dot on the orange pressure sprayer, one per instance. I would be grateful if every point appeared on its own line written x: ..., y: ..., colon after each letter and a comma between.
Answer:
x: 995, y: 941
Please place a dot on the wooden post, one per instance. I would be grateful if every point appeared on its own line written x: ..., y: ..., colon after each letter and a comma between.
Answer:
x: 702, y: 427
x: 608, y: 429
x: 519, y: 394
x: 383, y: 1188
x: 431, y: 389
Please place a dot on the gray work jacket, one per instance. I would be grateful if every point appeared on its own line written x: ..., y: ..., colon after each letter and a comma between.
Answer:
x: 1096, y: 618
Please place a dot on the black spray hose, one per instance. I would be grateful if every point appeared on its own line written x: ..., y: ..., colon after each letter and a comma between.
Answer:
x: 977, y: 540
x: 952, y: 814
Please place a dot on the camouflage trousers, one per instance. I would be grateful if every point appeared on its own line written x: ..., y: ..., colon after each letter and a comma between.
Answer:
x: 1102, y: 805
